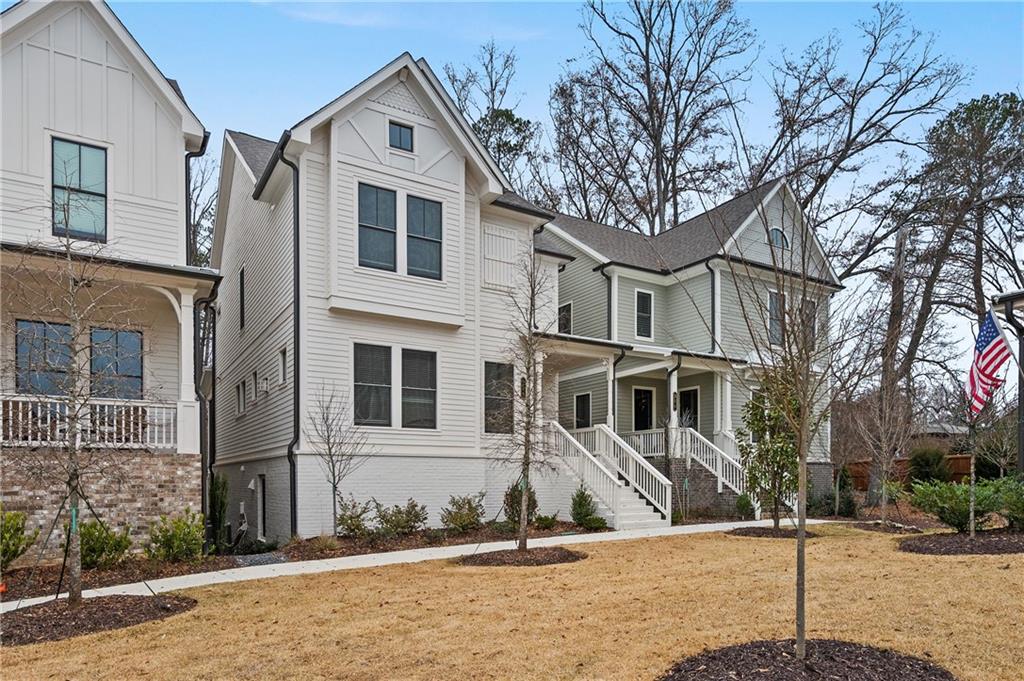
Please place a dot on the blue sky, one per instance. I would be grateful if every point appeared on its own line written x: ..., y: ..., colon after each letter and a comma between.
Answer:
x: 261, y: 66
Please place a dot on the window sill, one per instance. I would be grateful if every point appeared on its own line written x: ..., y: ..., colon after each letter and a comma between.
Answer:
x: 353, y: 304
x: 394, y: 274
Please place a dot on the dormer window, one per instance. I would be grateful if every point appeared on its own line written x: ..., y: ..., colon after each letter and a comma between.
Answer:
x: 777, y: 238
x: 400, y: 136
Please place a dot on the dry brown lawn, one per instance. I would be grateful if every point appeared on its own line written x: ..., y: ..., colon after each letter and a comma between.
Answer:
x: 627, y: 612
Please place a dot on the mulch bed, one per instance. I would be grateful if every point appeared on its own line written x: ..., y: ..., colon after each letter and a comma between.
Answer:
x: 769, y: 532
x: 989, y: 542
x: 54, y: 621
x: 826, y: 660
x: 887, y: 528
x: 546, y: 555
x: 313, y: 549
x: 22, y: 583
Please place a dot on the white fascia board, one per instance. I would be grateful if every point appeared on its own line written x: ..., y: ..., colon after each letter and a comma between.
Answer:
x: 228, y: 155
x: 565, y: 236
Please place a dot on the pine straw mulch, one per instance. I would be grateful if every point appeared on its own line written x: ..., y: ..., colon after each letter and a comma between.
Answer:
x: 769, y: 532
x: 330, y: 547
x: 888, y: 527
x: 55, y: 621
x: 986, y: 543
x: 827, y: 659
x: 545, y: 555
x: 24, y: 583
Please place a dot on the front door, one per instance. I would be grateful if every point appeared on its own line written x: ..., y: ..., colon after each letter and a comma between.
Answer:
x: 643, y: 408
x: 689, y: 410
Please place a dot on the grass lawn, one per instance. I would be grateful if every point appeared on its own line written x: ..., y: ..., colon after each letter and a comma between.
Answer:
x: 626, y: 612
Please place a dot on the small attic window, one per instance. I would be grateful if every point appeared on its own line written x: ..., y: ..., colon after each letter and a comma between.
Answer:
x: 777, y: 238
x: 399, y: 136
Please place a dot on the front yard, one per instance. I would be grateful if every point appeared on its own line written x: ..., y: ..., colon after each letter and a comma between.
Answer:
x: 629, y: 611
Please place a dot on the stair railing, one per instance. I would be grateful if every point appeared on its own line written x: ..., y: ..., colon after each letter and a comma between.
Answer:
x: 642, y: 476
x: 587, y: 469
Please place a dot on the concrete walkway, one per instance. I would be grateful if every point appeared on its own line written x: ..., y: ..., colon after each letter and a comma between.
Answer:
x: 308, y: 567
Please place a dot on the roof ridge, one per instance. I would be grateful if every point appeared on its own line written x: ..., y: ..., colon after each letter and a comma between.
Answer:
x: 723, y: 204
x: 247, y: 134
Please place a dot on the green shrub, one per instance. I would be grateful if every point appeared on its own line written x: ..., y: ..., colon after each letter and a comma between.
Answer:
x: 593, y: 523
x: 101, y: 546
x: 513, y: 503
x: 928, y: 464
x: 744, y: 506
x: 505, y: 527
x: 351, y: 518
x: 14, y: 541
x: 546, y: 522
x: 432, y: 535
x: 583, y: 506
x: 398, y: 520
x: 463, y: 514
x: 249, y: 546
x: 177, y: 539
x: 219, y: 530
x: 824, y: 505
x: 325, y: 543
x: 1011, y: 501
x: 950, y: 502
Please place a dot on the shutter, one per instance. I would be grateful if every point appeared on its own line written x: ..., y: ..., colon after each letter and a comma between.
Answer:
x: 500, y: 246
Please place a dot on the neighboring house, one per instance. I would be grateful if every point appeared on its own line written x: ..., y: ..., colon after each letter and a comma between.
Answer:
x: 694, y: 303
x: 371, y: 251
x: 86, y: 114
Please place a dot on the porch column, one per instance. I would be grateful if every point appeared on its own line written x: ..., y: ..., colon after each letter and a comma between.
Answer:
x: 673, y: 412
x: 727, y: 402
x: 610, y: 375
x: 188, y: 408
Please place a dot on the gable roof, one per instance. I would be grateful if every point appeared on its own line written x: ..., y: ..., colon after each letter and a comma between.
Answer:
x: 255, y: 151
x: 688, y: 243
x: 23, y: 10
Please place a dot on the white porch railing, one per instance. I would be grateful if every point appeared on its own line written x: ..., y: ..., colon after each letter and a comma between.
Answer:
x: 34, y: 421
x: 638, y: 472
x: 726, y: 441
x: 591, y: 472
x: 646, y: 442
x: 728, y: 470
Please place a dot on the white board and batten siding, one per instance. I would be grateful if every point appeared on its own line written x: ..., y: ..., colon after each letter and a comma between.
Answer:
x: 66, y: 75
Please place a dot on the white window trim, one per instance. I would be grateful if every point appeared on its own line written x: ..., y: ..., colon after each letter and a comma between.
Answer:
x: 396, y: 386
x: 483, y: 395
x: 768, y: 310
x: 48, y: 135
x: 690, y: 388
x: 589, y: 394
x: 402, y: 194
x: 654, y: 405
x: 255, y: 386
x: 572, y: 320
x: 389, y: 119
x: 261, y: 483
x: 282, y: 366
x: 241, y: 398
x: 787, y: 244
x: 636, y: 295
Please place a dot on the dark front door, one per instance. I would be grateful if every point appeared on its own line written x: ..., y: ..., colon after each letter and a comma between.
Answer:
x: 643, y: 409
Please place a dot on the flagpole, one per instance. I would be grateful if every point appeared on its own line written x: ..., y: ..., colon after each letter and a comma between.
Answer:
x: 1002, y: 331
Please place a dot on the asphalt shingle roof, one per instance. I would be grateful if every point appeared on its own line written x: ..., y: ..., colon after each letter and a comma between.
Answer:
x: 255, y: 151
x: 699, y: 238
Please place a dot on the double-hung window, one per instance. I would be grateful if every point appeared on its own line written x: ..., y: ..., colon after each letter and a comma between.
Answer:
x: 565, y: 318
x: 79, y: 190
x: 776, y: 322
x: 377, y: 227
x: 581, y: 410
x: 498, y: 391
x: 116, y: 364
x: 423, y: 237
x: 419, y: 389
x: 241, y: 397
x: 644, y: 314
x: 372, y: 378
x: 43, y: 355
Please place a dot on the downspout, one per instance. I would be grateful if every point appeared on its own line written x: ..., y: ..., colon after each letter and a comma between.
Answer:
x: 608, y: 332
x: 714, y: 306
x: 292, y: 473
x: 1019, y: 329
x: 207, y: 426
x: 190, y: 240
x: 615, y: 382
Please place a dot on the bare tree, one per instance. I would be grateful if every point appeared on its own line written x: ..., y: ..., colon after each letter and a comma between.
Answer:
x: 78, y: 418
x: 202, y: 209
x: 521, y: 437
x: 996, y: 439
x: 338, y: 443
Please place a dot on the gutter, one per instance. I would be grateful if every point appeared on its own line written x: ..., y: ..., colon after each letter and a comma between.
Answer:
x: 190, y: 234
x: 615, y: 382
x: 207, y: 426
x: 292, y: 473
x: 714, y: 306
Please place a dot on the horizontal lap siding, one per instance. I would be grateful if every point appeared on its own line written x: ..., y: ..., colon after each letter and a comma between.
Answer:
x: 803, y: 254
x: 663, y: 325
x: 587, y: 290
x: 690, y: 315
x: 259, y: 238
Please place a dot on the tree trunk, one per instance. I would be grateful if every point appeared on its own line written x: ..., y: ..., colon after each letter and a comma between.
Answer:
x: 835, y: 496
x: 972, y: 492
x: 776, y: 512
x: 524, y: 507
x: 74, y: 551
x: 334, y: 510
x: 885, y: 495
x: 801, y: 543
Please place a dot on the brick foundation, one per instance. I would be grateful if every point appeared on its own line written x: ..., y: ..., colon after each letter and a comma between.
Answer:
x: 153, y: 484
x: 697, y: 490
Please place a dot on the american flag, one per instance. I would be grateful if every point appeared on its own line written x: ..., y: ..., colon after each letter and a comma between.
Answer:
x: 991, y: 352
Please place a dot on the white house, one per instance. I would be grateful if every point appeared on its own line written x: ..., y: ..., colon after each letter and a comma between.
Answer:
x: 89, y: 121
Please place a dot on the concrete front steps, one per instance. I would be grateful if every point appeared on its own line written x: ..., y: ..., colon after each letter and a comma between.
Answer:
x: 636, y: 514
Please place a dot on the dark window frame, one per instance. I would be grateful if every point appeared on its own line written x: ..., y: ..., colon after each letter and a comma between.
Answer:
x: 695, y: 389
x: 241, y: 297
x: 772, y: 231
x: 407, y: 389
x: 638, y: 315
x: 92, y: 370
x: 369, y: 423
x: 776, y: 317
x: 402, y: 127
x: 20, y: 386
x: 576, y: 421
x: 507, y: 394
x: 360, y: 226
x: 67, y: 232
x: 567, y: 328
x: 409, y: 237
